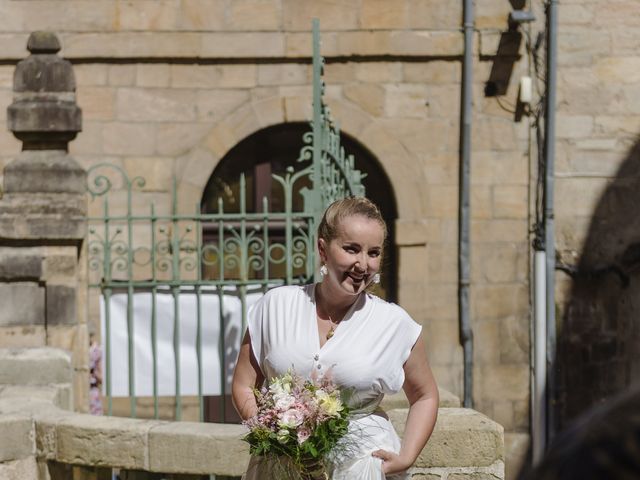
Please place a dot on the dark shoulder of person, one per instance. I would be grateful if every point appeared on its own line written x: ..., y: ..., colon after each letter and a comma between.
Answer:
x: 603, y: 443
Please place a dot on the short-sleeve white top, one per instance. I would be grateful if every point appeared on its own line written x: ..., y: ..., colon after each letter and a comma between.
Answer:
x: 365, y: 356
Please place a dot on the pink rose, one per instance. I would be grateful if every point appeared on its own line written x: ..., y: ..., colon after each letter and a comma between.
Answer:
x: 303, y: 435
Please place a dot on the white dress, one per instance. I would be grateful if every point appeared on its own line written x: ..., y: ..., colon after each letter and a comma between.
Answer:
x: 366, y: 356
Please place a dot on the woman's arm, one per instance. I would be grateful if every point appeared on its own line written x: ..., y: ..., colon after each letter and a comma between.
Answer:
x: 422, y: 392
x: 246, y: 376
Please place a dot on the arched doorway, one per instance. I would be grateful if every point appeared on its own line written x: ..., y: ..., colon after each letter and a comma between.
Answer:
x: 274, y: 149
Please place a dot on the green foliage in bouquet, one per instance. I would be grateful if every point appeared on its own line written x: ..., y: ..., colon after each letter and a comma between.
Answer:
x: 299, y: 420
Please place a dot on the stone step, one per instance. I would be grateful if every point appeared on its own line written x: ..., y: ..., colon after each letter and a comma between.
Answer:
x: 34, y: 366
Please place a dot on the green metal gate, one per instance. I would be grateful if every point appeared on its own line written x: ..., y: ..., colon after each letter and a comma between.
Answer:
x: 151, y: 265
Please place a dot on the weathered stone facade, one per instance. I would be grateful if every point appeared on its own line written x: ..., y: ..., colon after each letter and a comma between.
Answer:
x: 170, y: 87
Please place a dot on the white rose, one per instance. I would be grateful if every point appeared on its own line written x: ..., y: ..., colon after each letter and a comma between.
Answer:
x: 283, y: 401
x: 291, y: 418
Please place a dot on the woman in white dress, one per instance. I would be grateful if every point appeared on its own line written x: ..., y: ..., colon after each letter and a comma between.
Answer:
x: 371, y: 347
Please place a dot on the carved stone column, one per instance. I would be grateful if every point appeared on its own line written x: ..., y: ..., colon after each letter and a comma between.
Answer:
x: 43, y: 214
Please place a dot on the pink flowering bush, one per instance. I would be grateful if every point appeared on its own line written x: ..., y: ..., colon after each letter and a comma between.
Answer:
x: 298, y: 419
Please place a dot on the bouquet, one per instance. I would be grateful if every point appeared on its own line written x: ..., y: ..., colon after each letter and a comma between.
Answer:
x: 299, y: 420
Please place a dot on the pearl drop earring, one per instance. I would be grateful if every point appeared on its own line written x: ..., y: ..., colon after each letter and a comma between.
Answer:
x: 324, y: 271
x: 376, y: 278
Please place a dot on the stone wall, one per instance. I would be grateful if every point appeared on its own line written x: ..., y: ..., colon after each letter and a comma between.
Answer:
x: 597, y: 193
x: 43, y: 440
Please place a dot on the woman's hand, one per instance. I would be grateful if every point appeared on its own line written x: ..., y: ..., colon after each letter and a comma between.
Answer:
x: 392, y: 463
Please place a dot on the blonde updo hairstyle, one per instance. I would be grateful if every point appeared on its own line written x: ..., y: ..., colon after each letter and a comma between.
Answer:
x: 345, y: 208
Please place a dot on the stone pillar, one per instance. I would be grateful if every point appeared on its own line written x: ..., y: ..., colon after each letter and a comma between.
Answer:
x: 43, y: 214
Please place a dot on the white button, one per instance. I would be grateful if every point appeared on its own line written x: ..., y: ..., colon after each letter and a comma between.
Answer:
x: 316, y: 357
x: 319, y: 367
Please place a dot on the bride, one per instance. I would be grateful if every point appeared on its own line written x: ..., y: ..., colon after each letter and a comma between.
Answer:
x: 370, y: 346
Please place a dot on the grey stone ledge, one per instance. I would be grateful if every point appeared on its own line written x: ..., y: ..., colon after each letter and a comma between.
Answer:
x: 17, y: 440
x: 461, y: 438
x: 34, y: 366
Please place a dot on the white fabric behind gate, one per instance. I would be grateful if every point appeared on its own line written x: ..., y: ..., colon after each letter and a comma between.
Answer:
x: 143, y: 359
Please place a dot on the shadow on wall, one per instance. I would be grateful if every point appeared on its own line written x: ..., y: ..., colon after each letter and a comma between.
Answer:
x: 598, y: 339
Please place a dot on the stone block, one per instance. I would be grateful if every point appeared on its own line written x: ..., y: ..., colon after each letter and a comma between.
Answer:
x: 503, y: 382
x: 23, y: 303
x: 370, y: 97
x: 97, y: 103
x: 499, y: 300
x: 287, y: 74
x: 269, y: 111
x: 363, y: 43
x: 441, y: 260
x: 121, y: 75
x: 406, y: 100
x: 442, y: 201
x: 202, y: 15
x: 498, y: 230
x: 499, y: 262
x: 441, y: 168
x: 480, y: 202
x: 147, y: 15
x: 24, y: 469
x: 338, y: 15
x: 155, y: 105
x: 376, y: 72
x: 89, y: 74
x: 178, y: 138
x: 254, y: 15
x: 510, y: 201
x: 41, y: 171
x: 437, y: 72
x: 58, y: 395
x: 16, y: 263
x: 579, y: 196
x: 60, y: 305
x: 411, y: 232
x: 214, y: 105
x: 440, y: 337
x: 426, y: 43
x: 127, y: 138
x: 89, y: 143
x: 574, y: 126
x: 198, y: 448
x: 242, y: 45
x: 24, y: 336
x: 91, y: 440
x: 131, y: 44
x: 486, y: 338
x: 514, y: 340
x: 426, y: 476
x: 213, y: 76
x: 157, y: 171
x: 34, y: 366
x: 384, y: 14
x: 18, y: 437
x: 440, y: 301
x: 461, y: 438
x: 434, y: 14
x: 153, y: 75
x: 443, y: 101
x: 472, y: 476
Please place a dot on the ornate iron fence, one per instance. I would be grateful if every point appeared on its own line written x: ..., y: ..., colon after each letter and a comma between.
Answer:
x: 175, y: 288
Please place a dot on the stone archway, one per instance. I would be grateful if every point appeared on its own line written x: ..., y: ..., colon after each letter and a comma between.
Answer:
x: 404, y: 171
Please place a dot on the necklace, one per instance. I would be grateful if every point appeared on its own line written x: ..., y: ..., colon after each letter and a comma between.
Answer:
x: 332, y: 330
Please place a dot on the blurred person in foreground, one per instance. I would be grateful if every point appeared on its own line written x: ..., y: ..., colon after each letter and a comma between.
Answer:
x: 603, y: 443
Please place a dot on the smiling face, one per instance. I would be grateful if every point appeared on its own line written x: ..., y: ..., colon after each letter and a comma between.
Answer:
x: 354, y: 256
